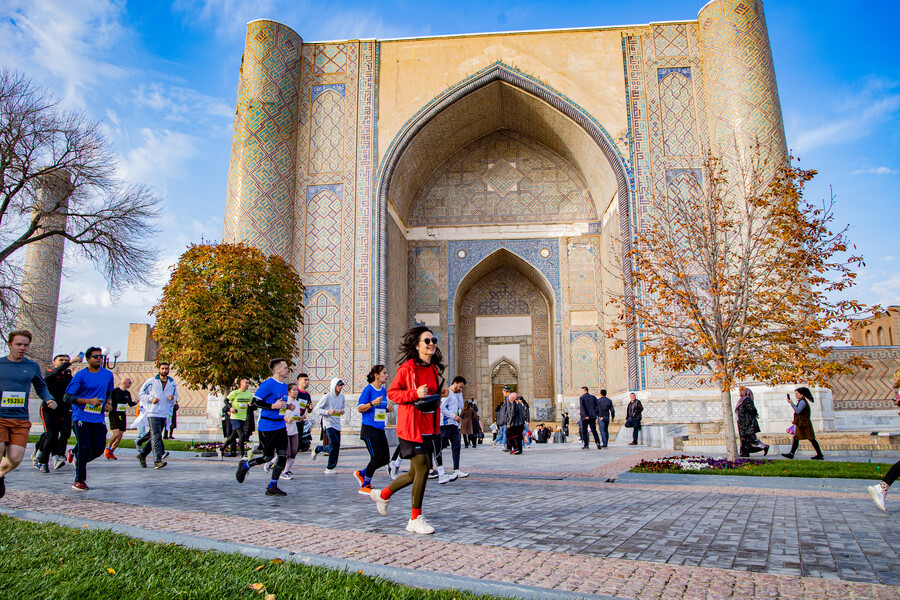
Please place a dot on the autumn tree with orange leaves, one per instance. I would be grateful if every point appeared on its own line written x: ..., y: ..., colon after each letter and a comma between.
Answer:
x: 227, y: 310
x: 741, y: 278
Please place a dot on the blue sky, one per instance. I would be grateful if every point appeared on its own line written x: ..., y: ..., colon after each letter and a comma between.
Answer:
x: 162, y: 78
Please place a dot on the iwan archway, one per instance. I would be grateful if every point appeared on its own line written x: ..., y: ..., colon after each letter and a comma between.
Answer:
x: 504, y: 311
x: 429, y: 166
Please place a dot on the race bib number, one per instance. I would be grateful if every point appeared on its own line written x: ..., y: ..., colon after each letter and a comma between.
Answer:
x: 302, y: 404
x: 241, y: 406
x: 13, y: 400
x: 94, y: 410
x: 380, y: 415
x: 283, y: 409
x: 122, y: 408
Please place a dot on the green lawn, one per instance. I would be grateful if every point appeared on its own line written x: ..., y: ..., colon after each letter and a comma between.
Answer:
x: 789, y: 468
x: 126, y: 443
x: 44, y: 560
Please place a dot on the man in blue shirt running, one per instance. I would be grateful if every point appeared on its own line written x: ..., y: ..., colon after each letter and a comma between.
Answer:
x: 17, y: 375
x: 272, y: 400
x: 90, y: 394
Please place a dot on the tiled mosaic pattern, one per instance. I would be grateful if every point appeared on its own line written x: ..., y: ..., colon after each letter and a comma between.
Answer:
x: 740, y: 77
x: 261, y: 179
x: 504, y: 177
x: 528, y: 250
x: 327, y: 142
x: 323, y: 224
x: 321, y: 351
x: 333, y: 236
x: 866, y: 388
x: 330, y: 58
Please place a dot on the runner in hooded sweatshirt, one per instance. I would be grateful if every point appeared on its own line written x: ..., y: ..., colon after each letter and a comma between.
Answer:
x: 272, y: 400
x: 330, y: 408
x: 374, y: 407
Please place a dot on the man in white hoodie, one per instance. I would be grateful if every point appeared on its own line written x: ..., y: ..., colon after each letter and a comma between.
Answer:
x: 157, y: 395
x: 330, y: 408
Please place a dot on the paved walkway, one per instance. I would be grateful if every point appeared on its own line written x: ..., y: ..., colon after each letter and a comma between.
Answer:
x: 548, y: 519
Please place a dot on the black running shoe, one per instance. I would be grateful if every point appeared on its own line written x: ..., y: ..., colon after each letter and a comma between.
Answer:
x: 275, y: 491
x: 241, y: 471
x: 2, y: 486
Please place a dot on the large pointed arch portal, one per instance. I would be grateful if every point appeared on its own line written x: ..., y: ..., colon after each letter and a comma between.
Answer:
x: 499, y: 96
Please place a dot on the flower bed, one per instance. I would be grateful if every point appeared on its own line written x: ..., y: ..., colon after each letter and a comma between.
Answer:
x: 752, y: 467
x: 694, y: 464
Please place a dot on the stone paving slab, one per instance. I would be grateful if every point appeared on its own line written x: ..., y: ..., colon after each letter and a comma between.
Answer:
x: 545, y: 528
x: 544, y: 569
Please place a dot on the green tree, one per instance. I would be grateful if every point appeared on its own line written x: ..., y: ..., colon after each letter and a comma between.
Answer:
x: 743, y: 277
x: 227, y: 310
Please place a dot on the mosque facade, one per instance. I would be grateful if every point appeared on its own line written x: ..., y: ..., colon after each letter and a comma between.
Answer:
x: 488, y: 186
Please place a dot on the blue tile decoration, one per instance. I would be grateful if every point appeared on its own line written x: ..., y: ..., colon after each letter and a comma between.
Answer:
x: 340, y: 88
x: 528, y: 250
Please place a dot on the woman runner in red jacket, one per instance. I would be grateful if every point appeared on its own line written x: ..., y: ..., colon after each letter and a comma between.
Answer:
x: 421, y: 364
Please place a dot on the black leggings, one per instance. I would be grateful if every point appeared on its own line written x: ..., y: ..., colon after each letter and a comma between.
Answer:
x: 814, y: 443
x: 892, y: 474
x: 379, y: 451
x: 419, y: 465
x: 237, y: 433
x: 273, y: 443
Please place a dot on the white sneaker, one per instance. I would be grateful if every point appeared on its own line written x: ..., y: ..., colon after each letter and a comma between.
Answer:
x: 453, y: 476
x: 878, y: 495
x: 312, y: 453
x: 286, y: 476
x: 444, y: 478
x: 460, y: 474
x: 220, y: 454
x: 419, y: 525
x: 380, y: 503
x: 330, y: 471
x: 267, y: 467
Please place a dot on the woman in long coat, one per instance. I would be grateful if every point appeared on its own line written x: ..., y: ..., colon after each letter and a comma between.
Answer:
x: 748, y: 424
x: 465, y: 425
x: 803, y: 429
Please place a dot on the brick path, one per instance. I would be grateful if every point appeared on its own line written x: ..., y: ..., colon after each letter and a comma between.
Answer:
x: 544, y: 528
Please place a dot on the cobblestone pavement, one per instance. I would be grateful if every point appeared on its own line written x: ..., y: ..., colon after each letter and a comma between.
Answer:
x: 547, y: 519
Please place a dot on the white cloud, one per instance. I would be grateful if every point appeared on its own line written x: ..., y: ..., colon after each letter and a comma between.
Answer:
x: 230, y: 17
x: 886, y: 291
x: 163, y: 154
x: 874, y: 171
x: 57, y: 42
x: 185, y: 105
x: 853, y: 117
x: 888, y: 258
x: 356, y: 24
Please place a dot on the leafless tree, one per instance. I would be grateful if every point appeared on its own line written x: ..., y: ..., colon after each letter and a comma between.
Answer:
x: 55, y: 162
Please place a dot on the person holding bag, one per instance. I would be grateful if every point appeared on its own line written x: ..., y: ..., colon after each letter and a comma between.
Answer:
x: 802, y: 424
x: 417, y: 392
x: 633, y: 415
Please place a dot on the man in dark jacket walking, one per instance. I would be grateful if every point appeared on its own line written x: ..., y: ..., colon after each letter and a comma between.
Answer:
x: 588, y: 404
x: 605, y: 412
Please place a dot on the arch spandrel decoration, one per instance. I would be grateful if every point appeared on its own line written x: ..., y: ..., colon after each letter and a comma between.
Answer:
x: 503, y: 177
x: 533, y: 86
x: 480, y: 296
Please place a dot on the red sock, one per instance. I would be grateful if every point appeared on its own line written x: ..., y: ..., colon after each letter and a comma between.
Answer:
x: 416, y: 513
x: 386, y: 494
